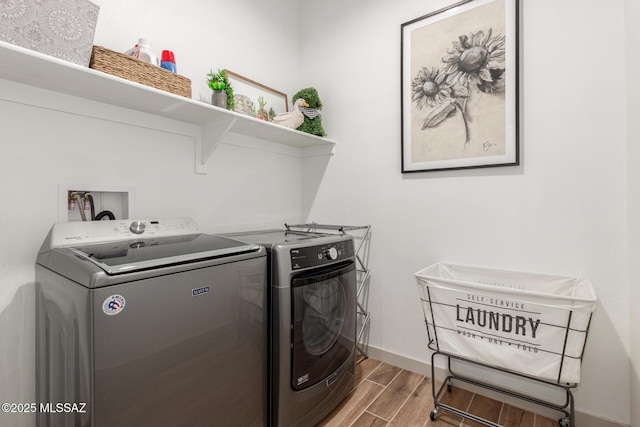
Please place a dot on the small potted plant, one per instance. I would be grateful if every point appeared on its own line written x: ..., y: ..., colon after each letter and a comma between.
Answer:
x: 222, y: 95
x: 262, y: 113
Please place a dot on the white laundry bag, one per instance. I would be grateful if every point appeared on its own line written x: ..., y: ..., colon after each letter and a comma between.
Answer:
x: 533, y: 324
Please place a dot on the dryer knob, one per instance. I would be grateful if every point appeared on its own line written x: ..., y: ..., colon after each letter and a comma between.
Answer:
x: 137, y: 227
x: 331, y: 253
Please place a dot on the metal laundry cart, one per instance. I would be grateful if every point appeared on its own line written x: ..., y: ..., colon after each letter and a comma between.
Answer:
x: 522, y: 325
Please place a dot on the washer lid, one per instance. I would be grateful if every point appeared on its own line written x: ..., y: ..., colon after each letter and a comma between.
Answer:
x: 134, y: 255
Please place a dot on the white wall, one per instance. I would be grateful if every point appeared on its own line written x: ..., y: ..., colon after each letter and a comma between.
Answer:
x: 632, y: 14
x: 563, y: 210
x: 42, y: 147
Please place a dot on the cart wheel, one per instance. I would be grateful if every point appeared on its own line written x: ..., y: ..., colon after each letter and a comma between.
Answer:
x: 449, y: 386
x: 564, y: 422
x: 434, y: 414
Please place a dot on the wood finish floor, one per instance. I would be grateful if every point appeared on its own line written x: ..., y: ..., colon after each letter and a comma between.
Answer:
x: 386, y: 395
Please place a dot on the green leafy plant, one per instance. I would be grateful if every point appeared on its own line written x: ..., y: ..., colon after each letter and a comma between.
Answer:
x: 218, y: 81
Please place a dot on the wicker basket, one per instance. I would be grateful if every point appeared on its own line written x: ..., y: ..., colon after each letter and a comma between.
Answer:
x: 121, y: 65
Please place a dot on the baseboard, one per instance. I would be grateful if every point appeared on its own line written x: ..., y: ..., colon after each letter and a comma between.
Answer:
x: 583, y: 419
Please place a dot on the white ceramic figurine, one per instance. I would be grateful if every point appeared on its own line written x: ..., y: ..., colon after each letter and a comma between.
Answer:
x: 292, y: 119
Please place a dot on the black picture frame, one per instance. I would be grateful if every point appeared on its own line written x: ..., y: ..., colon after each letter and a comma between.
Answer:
x: 459, y: 87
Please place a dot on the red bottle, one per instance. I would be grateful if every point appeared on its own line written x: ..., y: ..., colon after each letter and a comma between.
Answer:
x: 168, y: 61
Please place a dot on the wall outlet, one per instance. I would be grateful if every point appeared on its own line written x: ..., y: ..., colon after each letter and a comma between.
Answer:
x: 73, y: 202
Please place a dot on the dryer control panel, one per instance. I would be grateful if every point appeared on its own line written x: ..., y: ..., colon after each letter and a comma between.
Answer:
x: 89, y: 232
x: 315, y: 256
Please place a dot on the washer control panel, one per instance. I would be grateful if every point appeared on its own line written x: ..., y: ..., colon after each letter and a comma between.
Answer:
x: 88, y: 232
x: 315, y: 256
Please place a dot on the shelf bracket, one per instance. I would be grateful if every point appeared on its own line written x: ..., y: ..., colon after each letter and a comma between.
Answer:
x: 212, y: 134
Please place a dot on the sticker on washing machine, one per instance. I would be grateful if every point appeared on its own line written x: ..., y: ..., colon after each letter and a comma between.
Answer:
x: 200, y: 291
x: 113, y: 305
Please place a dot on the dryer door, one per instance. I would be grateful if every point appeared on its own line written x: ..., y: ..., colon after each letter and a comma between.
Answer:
x: 323, y: 329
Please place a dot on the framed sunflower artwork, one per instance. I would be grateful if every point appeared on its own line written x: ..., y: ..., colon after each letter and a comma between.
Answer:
x: 459, y: 84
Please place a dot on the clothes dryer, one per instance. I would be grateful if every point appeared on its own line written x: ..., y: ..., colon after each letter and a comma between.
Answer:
x: 312, y: 310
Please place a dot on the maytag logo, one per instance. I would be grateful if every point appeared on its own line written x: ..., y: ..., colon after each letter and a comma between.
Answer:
x: 200, y: 291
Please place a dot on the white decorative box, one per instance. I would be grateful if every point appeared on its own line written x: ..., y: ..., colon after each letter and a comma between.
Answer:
x: 60, y: 28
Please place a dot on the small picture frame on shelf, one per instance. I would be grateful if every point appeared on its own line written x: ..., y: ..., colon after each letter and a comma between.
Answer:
x: 255, y: 99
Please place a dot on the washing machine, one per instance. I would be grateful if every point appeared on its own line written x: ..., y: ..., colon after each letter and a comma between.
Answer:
x: 149, y: 323
x: 312, y: 310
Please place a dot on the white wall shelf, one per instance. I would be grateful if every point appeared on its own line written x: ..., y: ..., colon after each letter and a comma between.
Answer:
x: 32, y: 68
